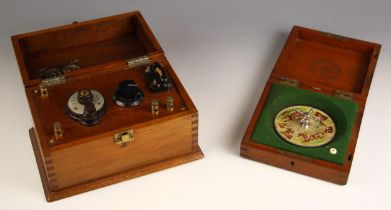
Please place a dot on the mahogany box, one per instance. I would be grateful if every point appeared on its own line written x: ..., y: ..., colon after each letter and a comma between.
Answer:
x: 321, y: 70
x: 128, y: 141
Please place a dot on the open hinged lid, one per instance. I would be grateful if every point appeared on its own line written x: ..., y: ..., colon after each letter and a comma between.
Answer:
x: 80, y: 48
x: 327, y: 63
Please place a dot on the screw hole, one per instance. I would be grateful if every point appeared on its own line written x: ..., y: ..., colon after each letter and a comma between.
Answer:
x: 292, y: 163
x: 350, y: 158
x: 376, y: 55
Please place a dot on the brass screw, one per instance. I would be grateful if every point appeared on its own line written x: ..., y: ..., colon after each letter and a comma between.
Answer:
x: 43, y: 88
x: 155, y: 107
x: 84, y: 92
x: 170, y: 103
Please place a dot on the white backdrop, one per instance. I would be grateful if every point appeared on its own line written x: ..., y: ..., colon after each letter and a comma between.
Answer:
x: 223, y: 52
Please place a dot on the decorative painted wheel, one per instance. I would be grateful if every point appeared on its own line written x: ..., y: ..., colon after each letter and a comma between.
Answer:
x: 304, y: 126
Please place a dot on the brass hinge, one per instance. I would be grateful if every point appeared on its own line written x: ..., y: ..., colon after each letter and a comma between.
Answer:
x: 289, y: 82
x: 139, y: 61
x: 344, y: 94
x: 54, y: 81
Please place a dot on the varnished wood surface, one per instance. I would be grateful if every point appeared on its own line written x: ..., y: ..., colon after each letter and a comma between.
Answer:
x: 102, y: 157
x: 91, y: 54
x: 105, y: 181
x: 223, y: 52
x: 52, y: 108
x: 356, y: 61
x: 327, y: 61
x: 85, y: 158
x: 95, y: 42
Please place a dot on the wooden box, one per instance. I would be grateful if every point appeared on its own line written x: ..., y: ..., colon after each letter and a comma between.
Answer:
x: 327, y: 65
x: 107, y: 50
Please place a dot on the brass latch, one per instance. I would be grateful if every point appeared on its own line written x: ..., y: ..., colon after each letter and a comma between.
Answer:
x: 124, y: 137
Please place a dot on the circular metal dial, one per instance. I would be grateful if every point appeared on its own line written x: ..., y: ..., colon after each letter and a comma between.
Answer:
x: 75, y: 106
x: 304, y: 126
x: 87, y: 106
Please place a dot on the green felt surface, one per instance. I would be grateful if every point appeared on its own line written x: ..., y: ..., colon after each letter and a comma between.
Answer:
x: 342, y: 111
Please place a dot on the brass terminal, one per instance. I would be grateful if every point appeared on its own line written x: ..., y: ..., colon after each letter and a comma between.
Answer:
x: 170, y: 103
x: 58, y: 132
x: 155, y: 107
x: 43, y: 88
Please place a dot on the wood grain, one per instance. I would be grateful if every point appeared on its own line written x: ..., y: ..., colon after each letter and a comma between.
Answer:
x: 109, y: 180
x: 95, y: 43
x: 87, y: 158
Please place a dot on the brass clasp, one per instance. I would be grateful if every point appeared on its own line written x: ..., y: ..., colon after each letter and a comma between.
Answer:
x: 124, y: 137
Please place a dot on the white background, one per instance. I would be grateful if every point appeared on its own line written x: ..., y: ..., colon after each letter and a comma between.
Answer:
x: 223, y: 52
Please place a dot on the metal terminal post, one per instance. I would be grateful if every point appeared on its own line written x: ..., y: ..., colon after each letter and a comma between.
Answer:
x: 43, y: 88
x: 170, y: 103
x: 155, y: 107
x: 58, y: 132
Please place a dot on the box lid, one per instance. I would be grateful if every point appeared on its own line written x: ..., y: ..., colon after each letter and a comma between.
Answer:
x: 86, y: 47
x: 327, y: 62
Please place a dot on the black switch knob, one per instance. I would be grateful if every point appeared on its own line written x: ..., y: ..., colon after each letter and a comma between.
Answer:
x: 90, y: 115
x: 128, y: 94
x: 85, y: 96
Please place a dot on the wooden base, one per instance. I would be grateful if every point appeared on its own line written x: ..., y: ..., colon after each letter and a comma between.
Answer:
x: 102, y: 182
x: 296, y: 163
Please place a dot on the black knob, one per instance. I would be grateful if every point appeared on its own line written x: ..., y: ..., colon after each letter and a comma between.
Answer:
x: 85, y: 96
x: 128, y: 94
x: 90, y: 115
x: 157, y: 78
